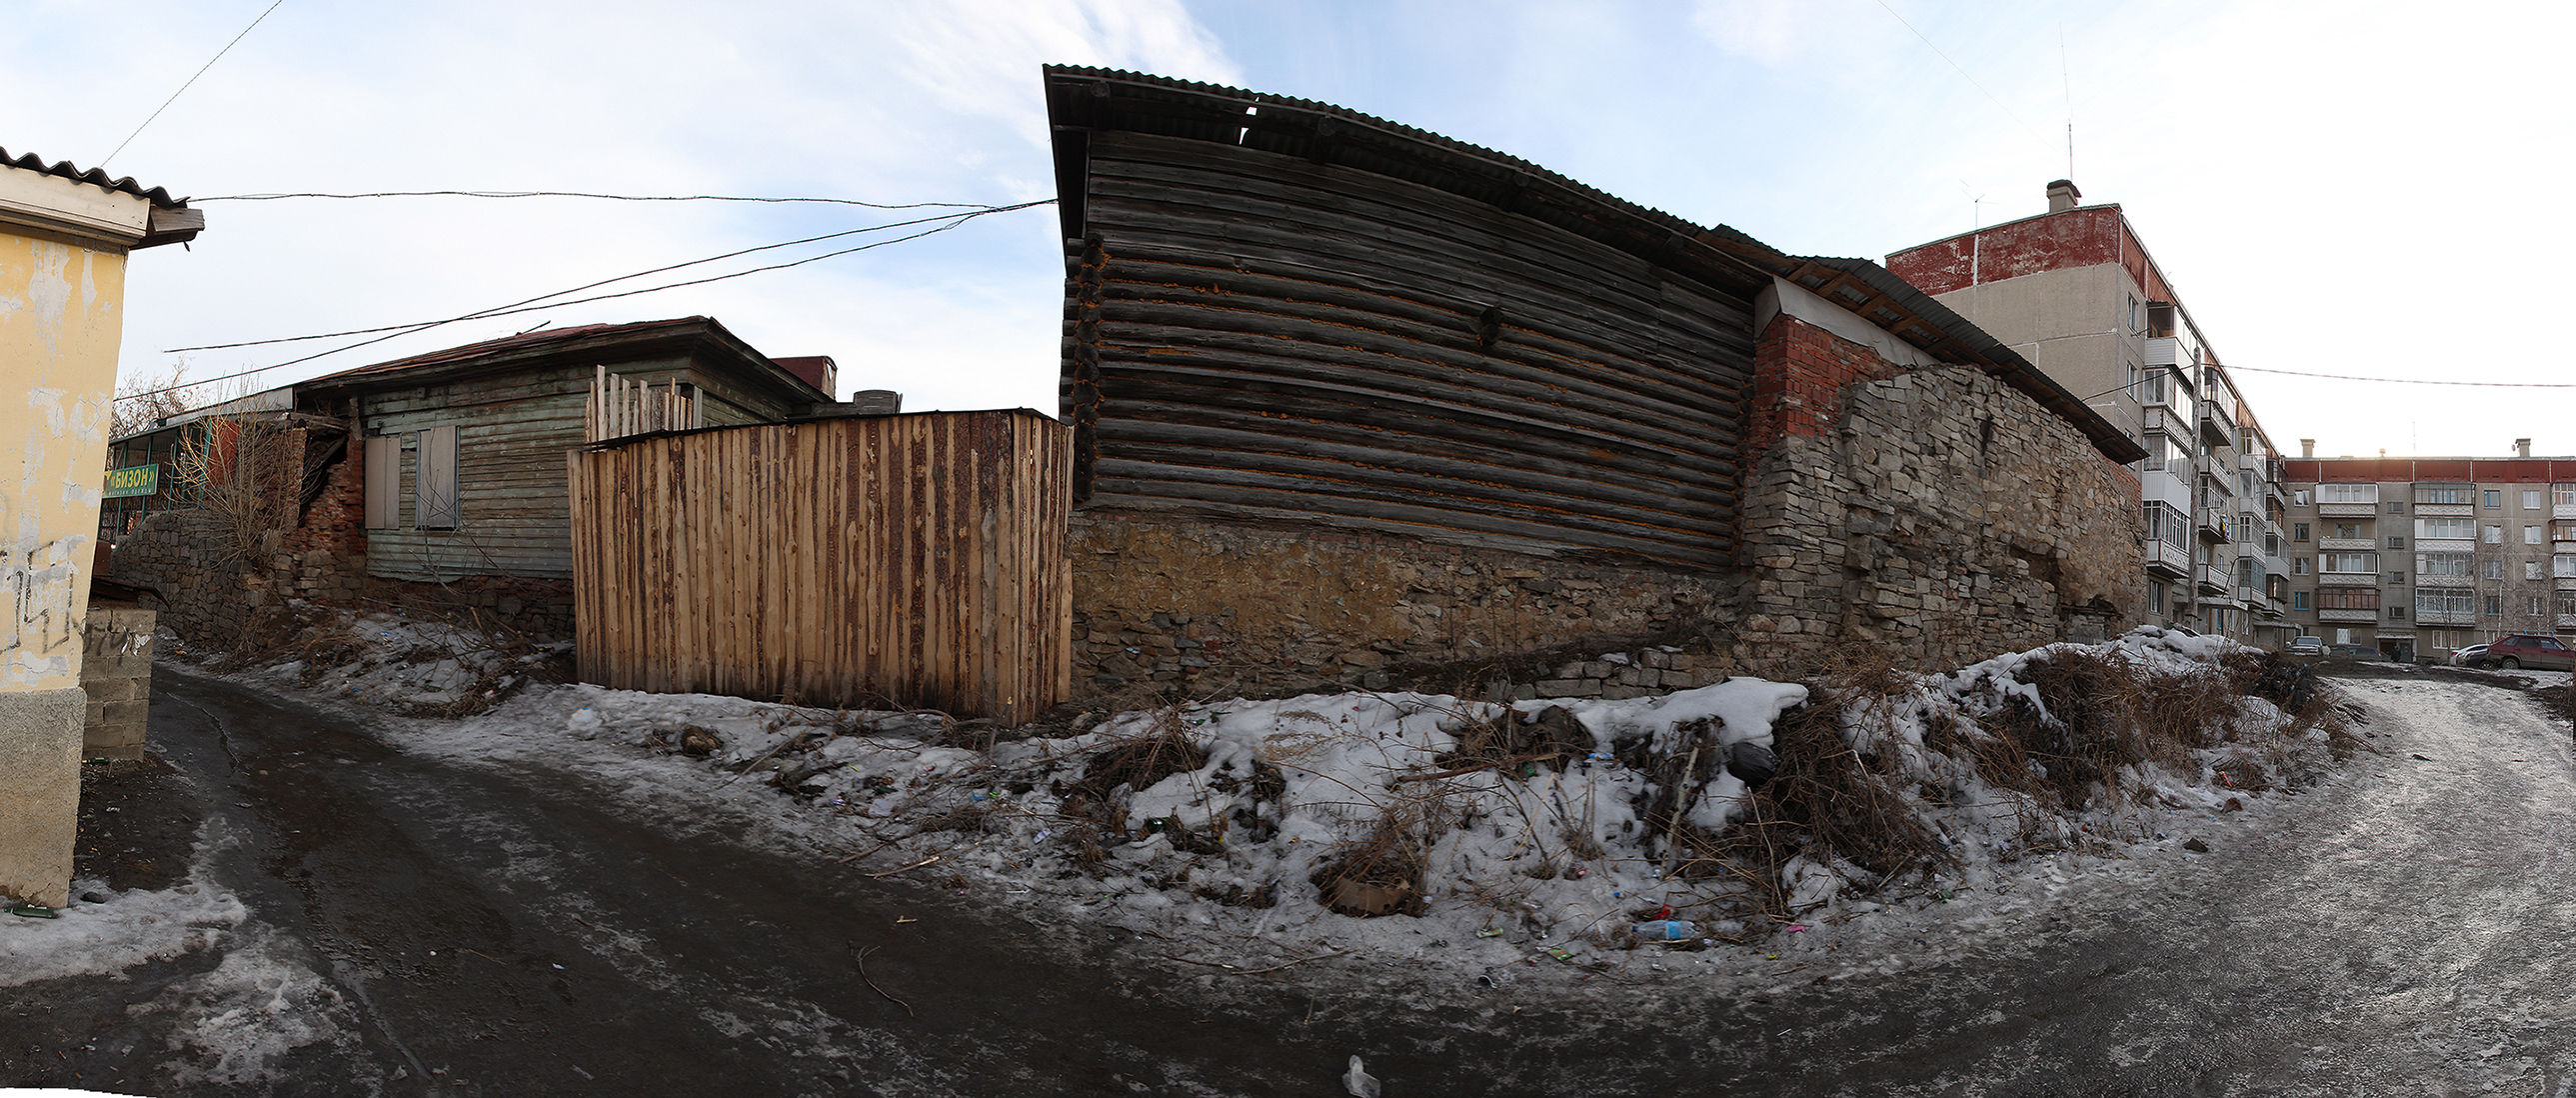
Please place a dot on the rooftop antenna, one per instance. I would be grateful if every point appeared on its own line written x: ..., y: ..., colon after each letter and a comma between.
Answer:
x: 2067, y: 80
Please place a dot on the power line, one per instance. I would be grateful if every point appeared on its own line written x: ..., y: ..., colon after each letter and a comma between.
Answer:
x: 978, y: 211
x: 587, y: 194
x: 174, y: 96
x: 2025, y: 123
x: 953, y: 221
x: 2409, y: 380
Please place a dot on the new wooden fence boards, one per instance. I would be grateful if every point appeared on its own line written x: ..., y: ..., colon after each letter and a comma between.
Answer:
x: 916, y: 560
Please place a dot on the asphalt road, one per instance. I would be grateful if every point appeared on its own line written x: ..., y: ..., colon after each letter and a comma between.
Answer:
x: 422, y: 927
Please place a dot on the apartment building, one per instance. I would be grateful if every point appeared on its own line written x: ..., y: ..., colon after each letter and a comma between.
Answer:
x: 2419, y: 556
x: 2075, y: 292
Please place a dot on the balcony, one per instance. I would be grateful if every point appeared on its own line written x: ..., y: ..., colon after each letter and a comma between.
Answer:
x: 2562, y: 510
x: 2567, y: 621
x: 2348, y: 579
x: 2212, y: 580
x: 2445, y: 510
x: 2166, y: 559
x: 2217, y: 425
x: 2564, y: 583
x: 2361, y: 544
x: 2446, y: 545
x: 2211, y: 524
x: 2446, y: 617
x: 2364, y: 615
x: 2347, y: 510
x: 2446, y: 581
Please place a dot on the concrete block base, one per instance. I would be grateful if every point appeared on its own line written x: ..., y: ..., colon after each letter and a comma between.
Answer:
x: 40, y: 757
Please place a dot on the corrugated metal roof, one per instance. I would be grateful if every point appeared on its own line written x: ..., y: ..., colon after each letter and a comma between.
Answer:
x: 95, y: 177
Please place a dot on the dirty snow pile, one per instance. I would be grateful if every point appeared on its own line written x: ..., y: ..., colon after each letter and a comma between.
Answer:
x: 1430, y: 828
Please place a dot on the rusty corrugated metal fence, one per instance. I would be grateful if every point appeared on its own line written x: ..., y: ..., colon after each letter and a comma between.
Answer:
x: 914, y: 560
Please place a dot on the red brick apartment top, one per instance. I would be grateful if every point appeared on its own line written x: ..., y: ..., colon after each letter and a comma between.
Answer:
x: 2085, y: 236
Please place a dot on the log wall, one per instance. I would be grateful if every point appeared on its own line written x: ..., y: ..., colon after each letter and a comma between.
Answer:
x: 1257, y: 336
x: 915, y: 560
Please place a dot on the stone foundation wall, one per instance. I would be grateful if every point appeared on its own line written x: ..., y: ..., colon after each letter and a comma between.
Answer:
x: 116, y: 673
x: 1208, y: 605
x: 210, y: 603
x: 1944, y: 519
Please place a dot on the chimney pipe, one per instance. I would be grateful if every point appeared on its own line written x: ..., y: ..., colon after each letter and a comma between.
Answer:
x: 2062, y: 196
x: 2307, y: 447
x: 2522, y: 447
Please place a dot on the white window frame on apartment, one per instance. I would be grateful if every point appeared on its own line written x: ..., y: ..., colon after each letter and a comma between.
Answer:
x: 2531, y: 498
x: 2348, y: 563
x: 2457, y: 529
x: 2444, y: 600
x: 2562, y: 495
x: 2532, y: 570
x: 2531, y: 535
x: 2347, y: 493
x: 2443, y: 564
x: 2495, y: 534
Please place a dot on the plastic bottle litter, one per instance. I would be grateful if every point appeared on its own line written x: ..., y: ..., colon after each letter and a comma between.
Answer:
x: 1667, y: 930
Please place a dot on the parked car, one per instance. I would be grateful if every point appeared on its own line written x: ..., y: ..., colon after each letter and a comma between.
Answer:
x: 2308, y: 646
x: 2468, y: 657
x: 2538, y: 651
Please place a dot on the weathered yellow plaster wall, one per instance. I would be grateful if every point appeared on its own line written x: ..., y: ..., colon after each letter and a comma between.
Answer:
x: 61, y: 319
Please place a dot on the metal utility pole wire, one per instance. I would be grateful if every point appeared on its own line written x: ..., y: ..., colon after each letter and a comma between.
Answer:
x: 174, y: 96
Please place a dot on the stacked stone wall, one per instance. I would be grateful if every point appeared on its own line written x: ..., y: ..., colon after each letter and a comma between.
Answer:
x: 116, y: 673
x: 1945, y: 518
x: 321, y: 560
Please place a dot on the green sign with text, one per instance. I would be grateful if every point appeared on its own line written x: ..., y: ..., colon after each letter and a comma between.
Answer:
x: 140, y: 480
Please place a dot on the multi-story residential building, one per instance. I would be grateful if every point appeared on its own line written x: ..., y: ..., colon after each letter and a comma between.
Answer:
x: 2420, y: 556
x: 2073, y: 291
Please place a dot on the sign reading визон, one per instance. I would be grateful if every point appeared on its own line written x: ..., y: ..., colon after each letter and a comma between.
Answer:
x: 139, y: 480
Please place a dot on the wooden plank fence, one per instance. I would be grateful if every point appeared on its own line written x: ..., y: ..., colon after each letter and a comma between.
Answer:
x: 907, y: 560
x: 619, y: 407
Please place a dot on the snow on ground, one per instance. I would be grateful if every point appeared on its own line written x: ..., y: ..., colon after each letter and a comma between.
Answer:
x: 1510, y: 842
x: 237, y: 1020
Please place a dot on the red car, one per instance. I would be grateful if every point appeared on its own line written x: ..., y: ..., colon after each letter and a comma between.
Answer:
x: 2539, y: 651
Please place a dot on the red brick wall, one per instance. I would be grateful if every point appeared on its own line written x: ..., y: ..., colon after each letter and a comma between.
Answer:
x: 2077, y: 238
x: 1800, y: 373
x: 337, y: 521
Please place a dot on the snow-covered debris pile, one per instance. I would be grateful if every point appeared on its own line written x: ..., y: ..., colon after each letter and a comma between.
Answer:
x: 423, y: 668
x: 1721, y: 812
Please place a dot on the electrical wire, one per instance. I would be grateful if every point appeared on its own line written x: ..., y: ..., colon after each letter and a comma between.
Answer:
x: 1972, y: 81
x: 953, y: 221
x: 587, y: 194
x: 192, y: 81
x: 495, y: 310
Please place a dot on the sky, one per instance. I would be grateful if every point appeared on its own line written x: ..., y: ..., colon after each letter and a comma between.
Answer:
x: 2313, y: 177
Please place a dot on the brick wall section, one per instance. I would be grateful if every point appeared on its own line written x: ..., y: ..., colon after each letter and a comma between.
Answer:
x: 1205, y: 605
x: 116, y: 673
x: 1802, y: 377
x: 1945, y: 519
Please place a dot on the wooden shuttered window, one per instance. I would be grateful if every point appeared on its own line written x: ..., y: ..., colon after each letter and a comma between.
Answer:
x: 435, y: 505
x: 384, y: 482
